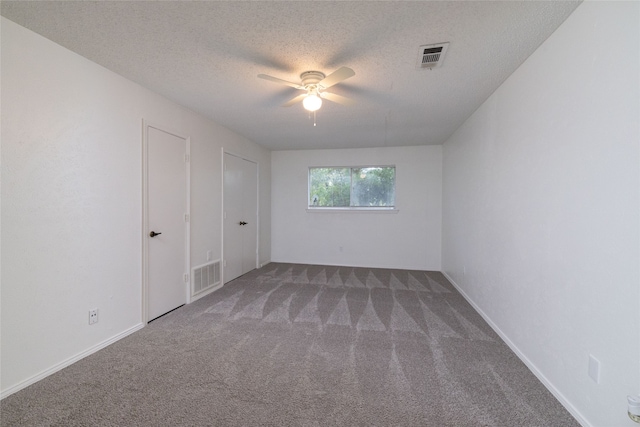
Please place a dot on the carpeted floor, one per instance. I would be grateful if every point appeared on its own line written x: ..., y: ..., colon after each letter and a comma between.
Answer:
x: 302, y: 345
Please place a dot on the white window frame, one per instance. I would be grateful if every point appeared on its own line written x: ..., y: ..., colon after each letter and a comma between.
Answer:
x: 353, y: 209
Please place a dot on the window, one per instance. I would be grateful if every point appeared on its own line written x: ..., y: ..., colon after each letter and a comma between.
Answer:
x: 355, y: 187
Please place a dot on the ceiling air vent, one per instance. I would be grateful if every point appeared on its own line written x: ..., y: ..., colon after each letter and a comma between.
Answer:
x: 432, y: 55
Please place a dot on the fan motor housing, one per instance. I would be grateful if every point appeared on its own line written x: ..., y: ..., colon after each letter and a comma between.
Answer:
x: 311, y: 78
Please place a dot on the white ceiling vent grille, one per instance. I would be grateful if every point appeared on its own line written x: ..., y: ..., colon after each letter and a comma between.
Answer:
x: 432, y: 55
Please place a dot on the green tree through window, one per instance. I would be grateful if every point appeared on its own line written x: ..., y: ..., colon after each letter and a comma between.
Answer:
x: 372, y: 186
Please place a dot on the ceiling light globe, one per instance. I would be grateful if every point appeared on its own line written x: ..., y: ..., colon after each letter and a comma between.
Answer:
x: 312, y: 102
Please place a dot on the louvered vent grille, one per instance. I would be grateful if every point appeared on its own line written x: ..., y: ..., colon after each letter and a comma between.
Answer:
x: 432, y: 55
x: 205, y: 277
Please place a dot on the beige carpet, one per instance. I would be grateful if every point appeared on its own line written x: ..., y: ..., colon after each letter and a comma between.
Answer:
x: 302, y: 345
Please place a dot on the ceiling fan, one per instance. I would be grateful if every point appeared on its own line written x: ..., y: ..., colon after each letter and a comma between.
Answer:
x: 314, y: 84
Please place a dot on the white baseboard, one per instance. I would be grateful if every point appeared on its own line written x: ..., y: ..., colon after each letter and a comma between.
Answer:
x: 69, y: 361
x: 558, y: 395
x: 264, y: 263
x: 356, y: 265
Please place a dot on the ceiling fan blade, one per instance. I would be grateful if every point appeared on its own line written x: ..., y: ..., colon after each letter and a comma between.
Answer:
x: 295, y: 100
x: 277, y: 80
x: 336, y: 77
x: 338, y: 99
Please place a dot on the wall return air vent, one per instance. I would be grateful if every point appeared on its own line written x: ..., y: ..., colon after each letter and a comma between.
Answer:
x: 205, y: 277
x: 431, y: 55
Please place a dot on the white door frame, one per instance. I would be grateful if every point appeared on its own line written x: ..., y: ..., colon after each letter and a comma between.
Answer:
x: 222, y: 267
x: 145, y: 215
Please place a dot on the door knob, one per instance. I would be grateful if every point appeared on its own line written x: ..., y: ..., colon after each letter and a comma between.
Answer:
x: 154, y: 234
x: 242, y: 223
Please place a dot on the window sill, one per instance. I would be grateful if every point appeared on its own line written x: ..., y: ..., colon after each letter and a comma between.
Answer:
x: 354, y: 210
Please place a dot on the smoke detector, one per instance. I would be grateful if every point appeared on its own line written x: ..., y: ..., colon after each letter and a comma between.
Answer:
x: 431, y: 55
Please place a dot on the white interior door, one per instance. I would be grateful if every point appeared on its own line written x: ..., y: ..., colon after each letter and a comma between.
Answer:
x: 240, y: 216
x: 167, y: 229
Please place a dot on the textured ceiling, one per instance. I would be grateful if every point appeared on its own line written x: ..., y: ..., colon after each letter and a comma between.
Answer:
x: 206, y: 56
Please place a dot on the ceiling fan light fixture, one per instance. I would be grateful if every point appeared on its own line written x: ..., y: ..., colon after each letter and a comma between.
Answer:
x: 315, y: 84
x: 312, y: 102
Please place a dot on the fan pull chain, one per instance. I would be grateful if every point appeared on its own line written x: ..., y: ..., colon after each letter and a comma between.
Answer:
x: 314, y: 117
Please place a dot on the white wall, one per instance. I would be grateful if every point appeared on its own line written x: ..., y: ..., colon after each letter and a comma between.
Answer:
x: 541, y: 210
x: 408, y: 239
x: 71, y: 201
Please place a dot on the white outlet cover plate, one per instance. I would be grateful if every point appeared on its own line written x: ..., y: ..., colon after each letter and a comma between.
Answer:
x: 93, y: 316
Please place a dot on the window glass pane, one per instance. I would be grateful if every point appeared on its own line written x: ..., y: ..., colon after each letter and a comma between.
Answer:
x: 329, y: 187
x: 373, y: 186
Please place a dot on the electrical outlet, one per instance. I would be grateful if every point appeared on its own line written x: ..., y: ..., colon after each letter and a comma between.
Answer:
x: 93, y: 316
